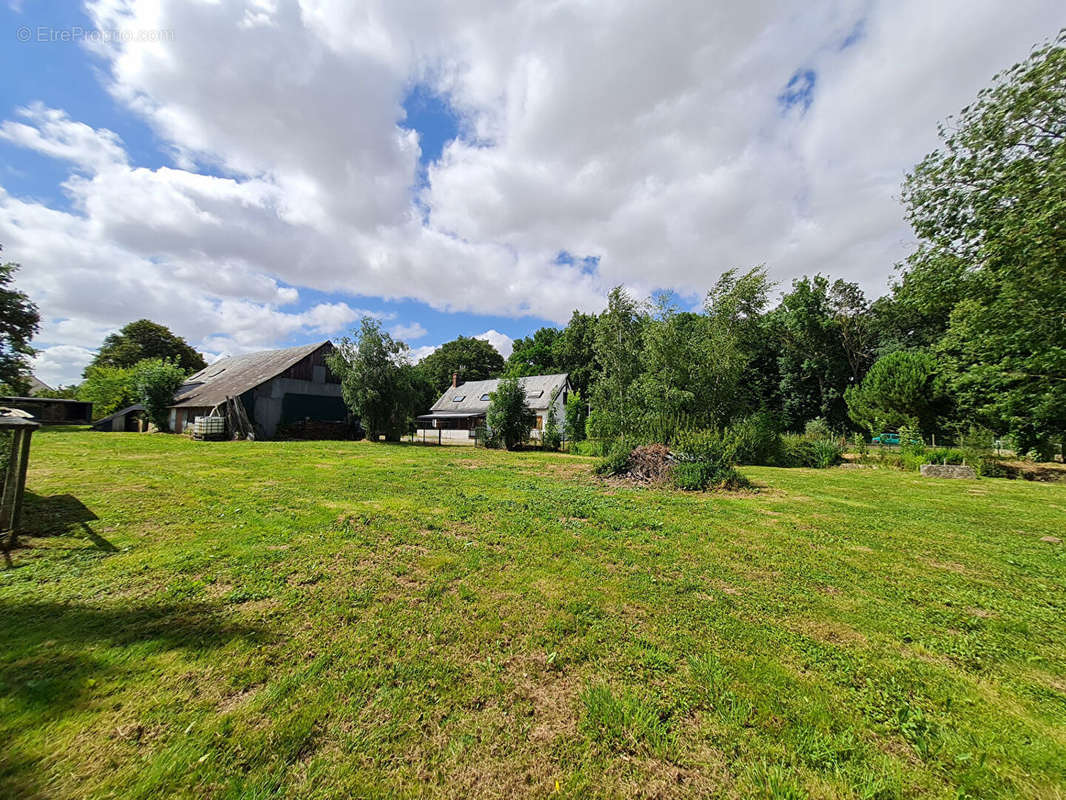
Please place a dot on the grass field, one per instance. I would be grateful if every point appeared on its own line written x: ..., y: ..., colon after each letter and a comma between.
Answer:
x: 326, y: 619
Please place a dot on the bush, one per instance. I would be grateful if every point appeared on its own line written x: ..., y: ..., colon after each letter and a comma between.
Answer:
x: 817, y: 428
x: 588, y: 447
x: 693, y: 476
x: 616, y: 462
x: 827, y: 453
x: 800, y: 451
x: 706, y: 458
x: 796, y: 451
x: 944, y: 455
x: 576, y: 411
x: 754, y: 440
x: 551, y: 437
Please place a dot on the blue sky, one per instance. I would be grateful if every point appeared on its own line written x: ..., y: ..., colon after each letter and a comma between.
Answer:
x: 260, y: 173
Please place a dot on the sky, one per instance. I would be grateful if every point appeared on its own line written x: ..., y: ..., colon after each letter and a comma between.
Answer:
x: 263, y: 173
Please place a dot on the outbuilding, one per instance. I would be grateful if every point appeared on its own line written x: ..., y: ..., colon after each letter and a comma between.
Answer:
x: 52, y: 410
x: 274, y: 387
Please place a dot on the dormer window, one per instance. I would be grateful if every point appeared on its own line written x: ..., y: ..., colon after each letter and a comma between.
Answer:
x: 485, y: 397
x: 459, y: 398
x: 538, y: 393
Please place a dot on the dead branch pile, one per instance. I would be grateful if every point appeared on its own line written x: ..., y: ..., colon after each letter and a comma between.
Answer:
x: 652, y: 463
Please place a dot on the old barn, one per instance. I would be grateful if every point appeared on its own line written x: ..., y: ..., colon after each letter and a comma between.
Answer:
x: 274, y: 387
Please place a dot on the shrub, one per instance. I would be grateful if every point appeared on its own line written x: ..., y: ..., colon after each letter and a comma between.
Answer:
x: 551, y: 437
x: 706, y: 458
x: 944, y: 455
x: 826, y: 453
x: 800, y: 451
x: 616, y: 462
x: 755, y: 440
x: 796, y: 451
x: 817, y: 428
x: 588, y: 447
x: 693, y: 476
x: 156, y: 381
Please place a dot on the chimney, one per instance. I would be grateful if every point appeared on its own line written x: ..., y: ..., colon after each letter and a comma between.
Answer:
x: 455, y: 379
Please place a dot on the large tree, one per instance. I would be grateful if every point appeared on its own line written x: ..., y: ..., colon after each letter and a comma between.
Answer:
x: 617, y: 344
x: 825, y: 346
x: 144, y: 339
x: 474, y: 360
x: 19, y: 321
x: 534, y: 355
x: 574, y: 351
x: 380, y: 386
x: 901, y: 388
x: 989, y: 207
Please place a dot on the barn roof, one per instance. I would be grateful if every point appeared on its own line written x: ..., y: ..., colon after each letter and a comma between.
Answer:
x: 37, y: 385
x: 538, y: 389
x: 230, y: 377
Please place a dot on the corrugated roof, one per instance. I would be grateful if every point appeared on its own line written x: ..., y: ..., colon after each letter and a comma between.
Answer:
x: 538, y: 390
x: 231, y: 377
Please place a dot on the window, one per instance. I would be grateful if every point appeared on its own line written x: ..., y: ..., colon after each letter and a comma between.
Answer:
x: 459, y: 398
x: 540, y: 423
x: 538, y: 393
x: 485, y: 397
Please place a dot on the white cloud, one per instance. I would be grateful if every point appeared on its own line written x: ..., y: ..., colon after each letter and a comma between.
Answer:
x: 418, y: 353
x: 408, y: 332
x: 61, y: 364
x: 501, y: 341
x: 649, y: 137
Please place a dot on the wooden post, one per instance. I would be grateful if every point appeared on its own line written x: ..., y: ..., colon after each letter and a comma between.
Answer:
x: 15, y: 479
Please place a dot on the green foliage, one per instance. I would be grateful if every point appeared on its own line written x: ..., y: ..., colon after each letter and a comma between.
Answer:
x: 706, y: 458
x: 799, y: 450
x: 616, y: 461
x: 617, y: 343
x: 817, y: 428
x: 534, y: 355
x: 576, y: 413
x: 755, y: 440
x: 825, y: 341
x: 587, y: 447
x: 509, y: 418
x: 142, y: 340
x: 155, y: 381
x: 19, y: 321
x: 380, y: 386
x: 108, y: 389
x: 474, y: 360
x: 60, y: 393
x: 990, y: 209
x: 551, y: 437
x: 901, y: 388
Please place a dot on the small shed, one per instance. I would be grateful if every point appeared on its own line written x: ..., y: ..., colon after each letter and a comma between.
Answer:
x: 52, y: 411
x: 275, y: 387
x: 130, y: 419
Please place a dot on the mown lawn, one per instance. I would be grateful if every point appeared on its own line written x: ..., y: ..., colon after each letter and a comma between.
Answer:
x: 353, y: 620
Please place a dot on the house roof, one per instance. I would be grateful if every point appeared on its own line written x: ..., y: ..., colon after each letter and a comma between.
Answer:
x: 37, y: 385
x: 230, y: 377
x: 538, y: 389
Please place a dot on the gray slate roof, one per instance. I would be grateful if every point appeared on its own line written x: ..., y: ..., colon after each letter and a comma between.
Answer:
x: 231, y: 377
x: 37, y: 385
x: 473, y: 391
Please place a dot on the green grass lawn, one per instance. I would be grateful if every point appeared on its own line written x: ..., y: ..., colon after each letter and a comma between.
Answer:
x: 333, y: 619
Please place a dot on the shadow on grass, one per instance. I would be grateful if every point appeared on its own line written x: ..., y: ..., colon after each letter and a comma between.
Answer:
x: 60, y: 515
x: 57, y: 659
